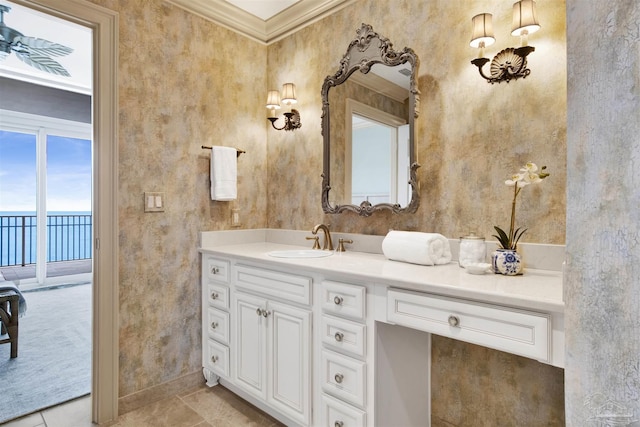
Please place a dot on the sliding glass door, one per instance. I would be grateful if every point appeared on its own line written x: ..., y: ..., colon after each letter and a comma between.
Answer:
x: 45, y: 191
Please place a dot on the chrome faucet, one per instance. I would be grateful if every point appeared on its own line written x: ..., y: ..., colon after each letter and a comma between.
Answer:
x: 327, y: 244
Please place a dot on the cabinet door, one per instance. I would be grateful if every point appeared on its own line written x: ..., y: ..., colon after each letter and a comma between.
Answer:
x: 250, y: 345
x: 290, y: 361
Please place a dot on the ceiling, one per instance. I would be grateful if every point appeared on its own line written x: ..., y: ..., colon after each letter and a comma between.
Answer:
x: 266, y: 21
x: 40, y: 25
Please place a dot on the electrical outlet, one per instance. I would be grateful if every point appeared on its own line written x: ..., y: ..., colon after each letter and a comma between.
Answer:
x: 235, y: 217
x: 154, y: 201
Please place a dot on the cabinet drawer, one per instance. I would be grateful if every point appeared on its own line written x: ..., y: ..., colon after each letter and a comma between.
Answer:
x: 218, y: 296
x: 515, y: 331
x: 275, y: 284
x: 218, y: 325
x: 217, y: 358
x: 344, y: 334
x: 343, y: 377
x: 338, y: 414
x: 343, y: 299
x: 215, y: 269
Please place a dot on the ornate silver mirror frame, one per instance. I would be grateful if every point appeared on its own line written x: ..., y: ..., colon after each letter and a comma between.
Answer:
x: 366, y: 50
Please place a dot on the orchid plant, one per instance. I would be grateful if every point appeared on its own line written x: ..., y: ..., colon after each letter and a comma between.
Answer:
x: 528, y: 175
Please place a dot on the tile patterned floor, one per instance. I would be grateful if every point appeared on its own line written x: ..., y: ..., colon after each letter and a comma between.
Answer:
x: 204, y: 407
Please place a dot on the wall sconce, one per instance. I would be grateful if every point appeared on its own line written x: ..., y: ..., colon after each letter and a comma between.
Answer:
x: 510, y: 63
x: 291, y: 116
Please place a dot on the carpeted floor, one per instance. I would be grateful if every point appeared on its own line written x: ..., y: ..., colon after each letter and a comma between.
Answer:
x: 54, y: 352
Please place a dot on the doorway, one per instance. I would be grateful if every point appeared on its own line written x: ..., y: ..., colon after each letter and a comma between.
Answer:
x: 104, y: 24
x: 45, y: 204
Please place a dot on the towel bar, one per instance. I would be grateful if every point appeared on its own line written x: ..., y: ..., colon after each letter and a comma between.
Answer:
x: 237, y: 149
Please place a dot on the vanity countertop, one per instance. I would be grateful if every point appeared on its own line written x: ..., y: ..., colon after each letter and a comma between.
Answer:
x: 534, y: 290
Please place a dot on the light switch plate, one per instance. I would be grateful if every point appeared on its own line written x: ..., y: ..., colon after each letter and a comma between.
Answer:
x: 235, y: 217
x: 154, y: 201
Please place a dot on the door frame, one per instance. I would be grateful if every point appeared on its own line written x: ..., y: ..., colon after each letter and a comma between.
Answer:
x: 104, y: 23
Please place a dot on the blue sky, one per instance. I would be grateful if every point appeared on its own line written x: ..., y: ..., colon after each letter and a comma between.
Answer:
x: 68, y: 173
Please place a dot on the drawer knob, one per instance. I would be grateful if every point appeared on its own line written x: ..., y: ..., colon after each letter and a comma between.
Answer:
x: 215, y: 270
x: 338, y: 378
x: 214, y: 325
x: 259, y: 311
x: 454, y: 321
x: 338, y: 424
x: 339, y: 336
x: 214, y: 296
x: 337, y: 300
x: 214, y: 359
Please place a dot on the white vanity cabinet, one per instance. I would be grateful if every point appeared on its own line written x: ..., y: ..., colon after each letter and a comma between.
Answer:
x: 272, y: 347
x: 345, y: 341
x: 215, y: 318
x: 516, y: 331
x: 343, y: 355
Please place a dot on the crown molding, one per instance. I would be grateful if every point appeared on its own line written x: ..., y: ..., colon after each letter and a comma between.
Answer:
x: 273, y: 29
x: 300, y: 15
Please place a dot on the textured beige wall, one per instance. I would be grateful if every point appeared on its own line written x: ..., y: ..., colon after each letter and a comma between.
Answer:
x: 183, y: 82
x: 476, y: 386
x: 471, y: 136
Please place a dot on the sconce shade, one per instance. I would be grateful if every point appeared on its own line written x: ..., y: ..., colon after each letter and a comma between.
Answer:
x: 291, y: 115
x: 482, y: 30
x: 273, y: 99
x: 525, y: 19
x: 289, y: 93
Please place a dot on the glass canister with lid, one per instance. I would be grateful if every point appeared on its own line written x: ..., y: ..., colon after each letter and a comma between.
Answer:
x: 473, y: 249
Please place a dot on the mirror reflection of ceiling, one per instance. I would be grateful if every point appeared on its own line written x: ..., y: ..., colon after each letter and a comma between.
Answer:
x: 266, y: 21
x: 32, y: 23
x: 398, y: 75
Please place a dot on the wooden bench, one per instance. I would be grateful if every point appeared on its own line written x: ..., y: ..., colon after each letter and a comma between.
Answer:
x: 9, y: 319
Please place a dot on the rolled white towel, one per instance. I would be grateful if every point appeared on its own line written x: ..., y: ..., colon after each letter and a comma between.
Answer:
x: 417, y: 248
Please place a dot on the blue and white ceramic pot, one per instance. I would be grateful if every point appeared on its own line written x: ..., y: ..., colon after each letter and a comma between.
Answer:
x: 507, y: 262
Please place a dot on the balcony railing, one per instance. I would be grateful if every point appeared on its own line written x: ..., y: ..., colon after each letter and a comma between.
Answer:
x: 68, y: 238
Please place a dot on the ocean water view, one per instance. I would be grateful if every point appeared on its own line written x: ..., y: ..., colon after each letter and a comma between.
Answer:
x: 68, y: 236
x: 56, y: 165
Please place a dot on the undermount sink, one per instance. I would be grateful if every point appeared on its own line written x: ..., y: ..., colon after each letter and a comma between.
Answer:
x: 300, y: 253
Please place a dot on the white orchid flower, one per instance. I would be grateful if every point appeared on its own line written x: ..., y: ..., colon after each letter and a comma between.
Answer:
x: 530, y: 167
x: 517, y: 179
x: 532, y: 178
x: 529, y: 174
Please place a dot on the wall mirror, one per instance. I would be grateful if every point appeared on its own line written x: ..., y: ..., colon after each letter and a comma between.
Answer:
x: 368, y: 112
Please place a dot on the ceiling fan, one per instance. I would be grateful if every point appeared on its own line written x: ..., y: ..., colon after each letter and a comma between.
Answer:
x: 30, y: 50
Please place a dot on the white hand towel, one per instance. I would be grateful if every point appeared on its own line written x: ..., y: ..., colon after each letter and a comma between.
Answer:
x: 224, y: 173
x: 417, y: 248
